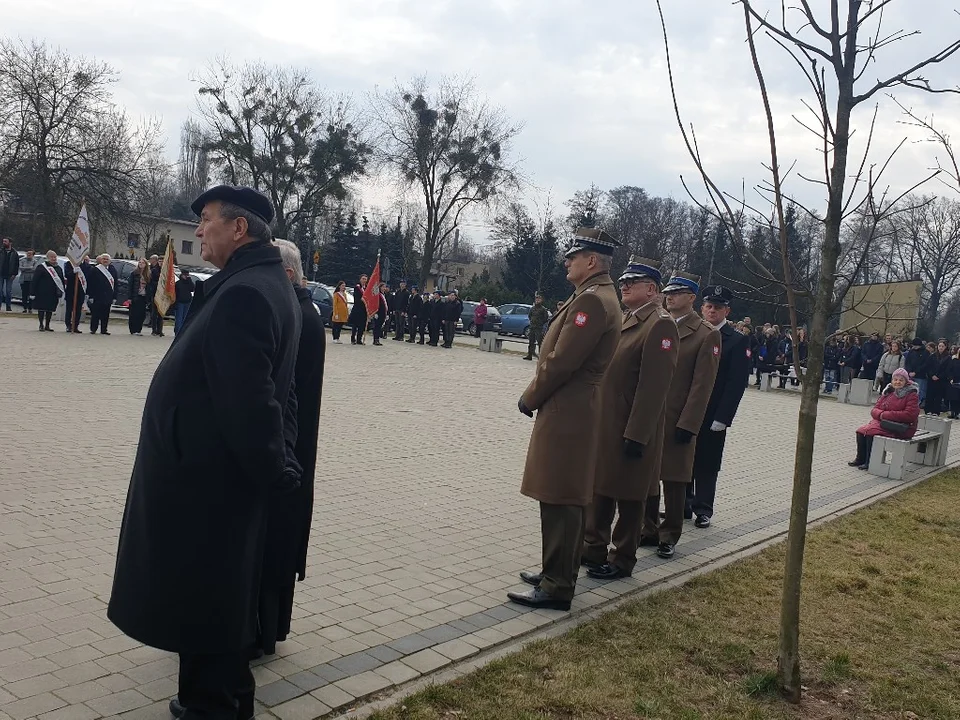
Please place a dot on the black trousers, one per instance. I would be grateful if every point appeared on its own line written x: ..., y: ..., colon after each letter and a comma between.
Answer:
x: 399, y: 321
x: 706, y: 468
x: 937, y: 396
x: 100, y: 315
x: 434, y: 332
x: 413, y: 323
x: 954, y: 394
x: 449, y: 330
x: 25, y: 295
x: 337, y: 327
x: 68, y: 318
x: 44, y: 316
x: 356, y: 332
x: 138, y: 313
x: 864, y: 448
x: 156, y: 320
x: 424, y: 324
x: 377, y: 329
x: 217, y: 686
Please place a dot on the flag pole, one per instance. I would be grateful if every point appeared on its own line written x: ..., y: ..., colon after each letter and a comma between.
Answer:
x: 74, y: 323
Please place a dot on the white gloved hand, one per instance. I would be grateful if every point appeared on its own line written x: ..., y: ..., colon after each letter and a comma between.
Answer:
x: 718, y: 426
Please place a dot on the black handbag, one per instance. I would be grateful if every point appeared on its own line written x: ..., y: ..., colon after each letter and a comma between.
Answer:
x: 897, y: 428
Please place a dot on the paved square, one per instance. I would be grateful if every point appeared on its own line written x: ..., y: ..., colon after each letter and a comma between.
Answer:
x: 419, y: 528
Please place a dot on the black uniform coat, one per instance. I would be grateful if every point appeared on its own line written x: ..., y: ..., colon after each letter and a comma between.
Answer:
x: 731, y: 377
x: 211, y: 444
x: 358, y: 313
x: 288, y: 526
x: 98, y: 287
x: 414, y: 305
x: 46, y: 294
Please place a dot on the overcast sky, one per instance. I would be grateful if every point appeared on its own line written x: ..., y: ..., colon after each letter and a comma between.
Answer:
x: 586, y: 79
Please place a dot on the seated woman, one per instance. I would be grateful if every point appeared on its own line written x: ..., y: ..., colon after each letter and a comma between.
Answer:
x: 898, y: 403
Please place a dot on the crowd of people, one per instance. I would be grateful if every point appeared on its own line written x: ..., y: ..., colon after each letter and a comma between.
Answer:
x: 404, y: 313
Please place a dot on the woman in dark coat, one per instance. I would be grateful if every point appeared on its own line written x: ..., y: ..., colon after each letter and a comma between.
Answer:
x: 358, y: 314
x: 139, y: 288
x: 47, y: 289
x: 899, y: 403
x: 938, y: 387
x: 954, y: 377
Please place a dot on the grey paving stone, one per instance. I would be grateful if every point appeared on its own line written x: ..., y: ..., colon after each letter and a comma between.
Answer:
x: 411, y: 643
x: 277, y: 692
x: 357, y: 663
x: 384, y: 654
x: 442, y: 633
x: 328, y: 672
x: 306, y: 680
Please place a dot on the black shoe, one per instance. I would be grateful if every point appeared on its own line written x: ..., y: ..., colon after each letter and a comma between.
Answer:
x: 702, y: 521
x: 378, y: 343
x: 78, y: 332
x: 590, y: 564
x: 411, y: 341
x: 49, y: 329
x: 538, y: 598
x: 855, y: 463
x: 608, y: 572
x: 41, y: 328
x: 104, y: 332
x: 649, y: 541
x: 666, y: 550
x: 420, y: 342
x: 531, y: 578
x: 176, y: 709
x: 527, y: 357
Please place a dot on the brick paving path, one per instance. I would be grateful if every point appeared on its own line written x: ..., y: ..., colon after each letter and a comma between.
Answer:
x: 419, y: 528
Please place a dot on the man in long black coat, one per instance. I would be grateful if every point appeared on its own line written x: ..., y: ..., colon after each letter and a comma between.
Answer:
x: 437, y: 314
x: 102, y: 286
x: 211, y: 452
x: 288, y: 526
x: 71, y: 276
x: 414, y: 306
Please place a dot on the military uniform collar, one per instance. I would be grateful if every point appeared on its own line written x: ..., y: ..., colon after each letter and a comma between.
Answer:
x: 689, y: 323
x: 600, y: 278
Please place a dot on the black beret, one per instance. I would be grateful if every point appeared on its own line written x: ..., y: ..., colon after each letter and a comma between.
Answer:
x: 245, y: 197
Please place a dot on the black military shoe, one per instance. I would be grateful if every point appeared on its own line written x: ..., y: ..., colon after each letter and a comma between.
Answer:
x: 666, y: 550
x: 647, y: 541
x: 531, y: 578
x: 608, y: 572
x: 538, y: 598
x: 590, y: 564
x: 176, y: 709
x: 702, y: 521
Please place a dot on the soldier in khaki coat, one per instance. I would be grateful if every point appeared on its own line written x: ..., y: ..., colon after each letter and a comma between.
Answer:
x: 686, y: 406
x: 633, y: 394
x: 579, y: 343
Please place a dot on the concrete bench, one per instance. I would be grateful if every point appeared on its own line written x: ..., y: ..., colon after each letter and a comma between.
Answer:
x: 858, y: 392
x: 890, y: 457
x: 491, y: 342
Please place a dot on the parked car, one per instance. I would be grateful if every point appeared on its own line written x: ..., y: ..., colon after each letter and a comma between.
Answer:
x: 515, y: 319
x: 323, y: 299
x: 467, y: 325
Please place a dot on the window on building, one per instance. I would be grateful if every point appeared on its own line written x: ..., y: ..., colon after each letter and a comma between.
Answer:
x: 459, y: 272
x: 186, y: 247
x: 133, y: 240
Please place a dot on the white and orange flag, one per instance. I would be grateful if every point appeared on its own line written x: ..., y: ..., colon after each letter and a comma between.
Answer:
x: 167, y: 285
x: 80, y: 242
x: 371, y: 296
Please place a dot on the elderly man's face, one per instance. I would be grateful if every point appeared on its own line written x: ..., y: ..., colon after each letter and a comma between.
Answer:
x: 51, y: 257
x: 715, y: 313
x: 104, y: 259
x: 218, y: 236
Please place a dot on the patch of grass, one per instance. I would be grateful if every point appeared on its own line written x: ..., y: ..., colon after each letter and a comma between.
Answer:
x: 880, y: 612
x: 837, y: 669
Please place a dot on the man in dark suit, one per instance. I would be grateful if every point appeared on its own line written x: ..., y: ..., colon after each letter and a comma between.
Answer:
x: 438, y: 311
x: 102, y: 282
x: 209, y: 458
x: 414, y: 308
x: 727, y: 392
x: 452, y: 313
x: 288, y: 525
x: 72, y: 276
x: 401, y: 301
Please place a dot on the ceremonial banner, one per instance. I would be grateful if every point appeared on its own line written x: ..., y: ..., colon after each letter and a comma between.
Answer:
x: 80, y: 242
x: 166, y: 287
x: 371, y: 296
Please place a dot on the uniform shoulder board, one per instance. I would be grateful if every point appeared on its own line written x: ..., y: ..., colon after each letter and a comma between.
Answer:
x: 592, y: 288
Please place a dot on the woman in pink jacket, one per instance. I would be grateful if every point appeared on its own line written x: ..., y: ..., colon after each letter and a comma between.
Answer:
x: 898, y: 403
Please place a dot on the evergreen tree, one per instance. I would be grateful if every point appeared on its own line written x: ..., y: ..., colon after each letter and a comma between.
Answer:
x: 532, y: 257
x: 347, y: 255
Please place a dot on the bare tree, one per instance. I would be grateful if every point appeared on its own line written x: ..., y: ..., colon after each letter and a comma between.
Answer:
x: 833, y: 53
x: 273, y: 128
x: 62, y: 140
x: 449, y: 146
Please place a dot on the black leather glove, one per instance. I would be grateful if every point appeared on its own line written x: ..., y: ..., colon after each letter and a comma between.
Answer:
x: 683, y: 437
x: 522, y: 407
x: 631, y: 448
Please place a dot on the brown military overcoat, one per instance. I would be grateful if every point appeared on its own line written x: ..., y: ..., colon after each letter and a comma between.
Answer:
x: 633, y: 394
x: 576, y: 350
x: 689, y: 394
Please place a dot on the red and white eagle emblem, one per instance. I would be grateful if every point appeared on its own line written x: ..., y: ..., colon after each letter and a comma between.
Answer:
x: 580, y: 320
x: 716, y: 350
x: 666, y: 344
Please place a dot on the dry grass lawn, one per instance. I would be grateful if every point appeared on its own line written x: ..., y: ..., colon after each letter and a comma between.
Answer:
x: 880, y: 636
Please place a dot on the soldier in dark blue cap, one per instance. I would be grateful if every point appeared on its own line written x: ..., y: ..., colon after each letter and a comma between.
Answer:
x: 724, y: 400
x: 212, y: 451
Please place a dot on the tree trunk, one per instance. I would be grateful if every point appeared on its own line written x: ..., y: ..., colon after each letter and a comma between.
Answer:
x: 788, y: 661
